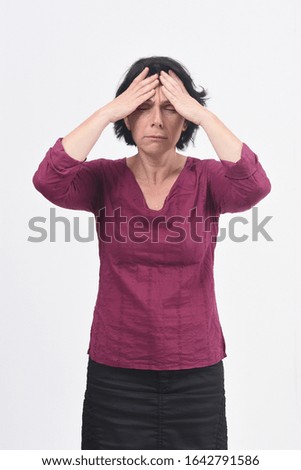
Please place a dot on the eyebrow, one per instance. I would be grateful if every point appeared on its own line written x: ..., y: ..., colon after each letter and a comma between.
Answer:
x: 163, y: 102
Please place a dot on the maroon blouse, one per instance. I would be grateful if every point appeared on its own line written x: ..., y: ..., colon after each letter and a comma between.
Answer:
x: 156, y: 306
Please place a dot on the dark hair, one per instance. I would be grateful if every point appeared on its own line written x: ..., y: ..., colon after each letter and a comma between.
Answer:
x: 156, y: 64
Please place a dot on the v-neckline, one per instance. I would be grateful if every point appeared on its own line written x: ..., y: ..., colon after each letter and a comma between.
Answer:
x: 176, y: 182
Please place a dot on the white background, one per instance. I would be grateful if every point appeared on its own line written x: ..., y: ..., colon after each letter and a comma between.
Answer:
x: 62, y: 60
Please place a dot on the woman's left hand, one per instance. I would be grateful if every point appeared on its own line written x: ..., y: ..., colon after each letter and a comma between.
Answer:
x: 176, y: 93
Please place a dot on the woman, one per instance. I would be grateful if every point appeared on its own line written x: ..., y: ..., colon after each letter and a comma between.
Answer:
x: 155, y: 375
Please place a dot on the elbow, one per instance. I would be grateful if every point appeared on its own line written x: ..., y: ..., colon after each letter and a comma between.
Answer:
x: 38, y: 184
x: 243, y: 202
x: 240, y: 200
x: 36, y: 181
x: 261, y: 192
x: 42, y: 187
x: 265, y: 188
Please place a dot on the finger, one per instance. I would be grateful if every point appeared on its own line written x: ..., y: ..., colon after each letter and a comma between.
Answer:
x: 146, y: 96
x: 174, y: 77
x: 146, y: 87
x: 144, y: 81
x: 149, y: 79
x: 173, y: 74
x: 144, y: 71
x: 166, y: 75
x: 169, y: 82
x: 141, y: 94
x: 141, y: 74
x: 167, y: 94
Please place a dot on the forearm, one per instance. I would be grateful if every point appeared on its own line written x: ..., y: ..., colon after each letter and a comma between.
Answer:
x: 225, y: 143
x: 80, y: 141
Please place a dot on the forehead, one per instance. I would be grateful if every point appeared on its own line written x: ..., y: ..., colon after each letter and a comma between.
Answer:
x: 159, y: 97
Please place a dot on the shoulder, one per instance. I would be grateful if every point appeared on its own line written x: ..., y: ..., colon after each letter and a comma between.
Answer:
x: 104, y: 163
x: 108, y: 167
x: 201, y: 164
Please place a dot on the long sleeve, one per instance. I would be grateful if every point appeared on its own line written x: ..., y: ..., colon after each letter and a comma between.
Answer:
x: 236, y: 187
x: 68, y: 182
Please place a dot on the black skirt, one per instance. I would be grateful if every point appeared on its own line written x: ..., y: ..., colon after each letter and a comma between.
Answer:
x: 154, y: 409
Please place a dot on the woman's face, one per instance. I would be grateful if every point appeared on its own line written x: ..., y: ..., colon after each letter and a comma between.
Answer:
x: 156, y: 117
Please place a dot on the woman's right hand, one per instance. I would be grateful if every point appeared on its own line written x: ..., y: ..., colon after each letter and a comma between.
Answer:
x: 140, y: 90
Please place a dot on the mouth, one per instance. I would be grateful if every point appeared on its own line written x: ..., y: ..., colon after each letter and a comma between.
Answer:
x: 157, y: 137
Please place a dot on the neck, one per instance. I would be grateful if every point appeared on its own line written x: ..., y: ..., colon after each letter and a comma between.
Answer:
x: 155, y: 169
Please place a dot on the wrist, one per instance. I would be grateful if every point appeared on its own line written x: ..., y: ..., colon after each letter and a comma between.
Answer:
x: 103, y: 114
x: 205, y: 117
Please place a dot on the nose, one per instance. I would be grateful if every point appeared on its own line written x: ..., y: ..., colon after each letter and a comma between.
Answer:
x: 156, y: 116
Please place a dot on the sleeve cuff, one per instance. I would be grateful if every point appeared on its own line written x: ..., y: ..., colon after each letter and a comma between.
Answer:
x: 244, y: 167
x: 61, y: 159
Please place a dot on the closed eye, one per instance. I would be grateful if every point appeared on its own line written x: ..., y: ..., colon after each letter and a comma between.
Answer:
x: 168, y: 108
